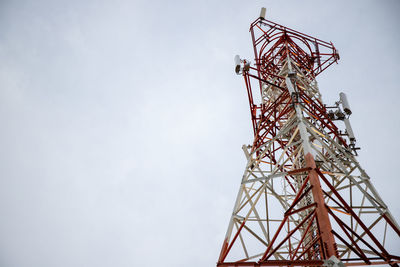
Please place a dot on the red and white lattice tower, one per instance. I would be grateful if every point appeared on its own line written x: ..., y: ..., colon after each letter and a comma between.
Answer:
x: 304, y: 199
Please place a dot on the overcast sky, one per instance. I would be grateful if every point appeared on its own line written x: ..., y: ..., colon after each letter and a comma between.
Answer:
x: 122, y: 121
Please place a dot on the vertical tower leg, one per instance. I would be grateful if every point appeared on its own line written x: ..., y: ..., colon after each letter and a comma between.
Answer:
x: 324, y: 223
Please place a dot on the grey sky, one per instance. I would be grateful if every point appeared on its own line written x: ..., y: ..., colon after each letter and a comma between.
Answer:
x: 122, y: 121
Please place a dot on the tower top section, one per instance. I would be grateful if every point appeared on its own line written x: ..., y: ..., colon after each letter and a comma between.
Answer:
x: 274, y: 43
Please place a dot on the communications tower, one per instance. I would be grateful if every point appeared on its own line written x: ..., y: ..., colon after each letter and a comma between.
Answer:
x: 304, y: 199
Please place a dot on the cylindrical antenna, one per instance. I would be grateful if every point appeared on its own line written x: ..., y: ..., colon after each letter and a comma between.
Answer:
x: 262, y: 13
x: 349, y: 131
x: 237, y: 64
x: 345, y: 103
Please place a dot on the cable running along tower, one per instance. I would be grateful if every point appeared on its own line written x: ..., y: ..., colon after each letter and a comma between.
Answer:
x: 304, y: 200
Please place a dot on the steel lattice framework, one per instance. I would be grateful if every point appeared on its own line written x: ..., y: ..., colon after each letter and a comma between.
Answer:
x: 304, y: 200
